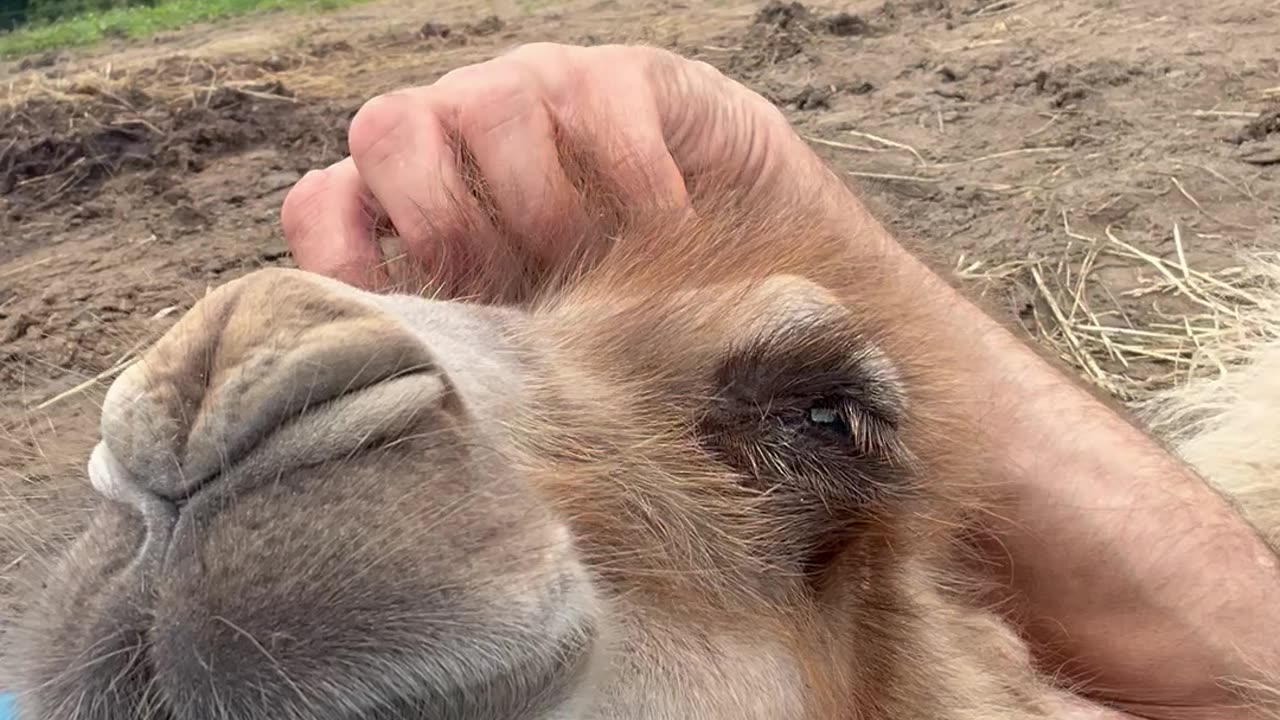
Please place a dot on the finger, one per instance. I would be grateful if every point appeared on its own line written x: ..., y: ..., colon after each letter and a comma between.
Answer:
x: 328, y: 228
x: 612, y: 126
x: 509, y: 132
x: 638, y: 167
x: 721, y: 130
x: 401, y: 149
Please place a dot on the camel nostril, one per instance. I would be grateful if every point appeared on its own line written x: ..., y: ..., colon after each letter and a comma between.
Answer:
x: 112, y: 479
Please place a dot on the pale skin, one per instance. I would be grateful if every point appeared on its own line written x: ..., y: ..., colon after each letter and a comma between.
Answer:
x: 1127, y: 570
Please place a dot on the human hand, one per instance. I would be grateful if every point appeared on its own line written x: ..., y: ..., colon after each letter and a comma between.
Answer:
x: 646, y: 118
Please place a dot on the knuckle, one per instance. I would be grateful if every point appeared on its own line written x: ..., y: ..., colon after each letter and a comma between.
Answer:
x: 377, y: 123
x: 301, y: 202
x: 505, y: 96
x: 701, y: 66
x: 559, y: 70
x: 643, y: 56
x: 539, y: 52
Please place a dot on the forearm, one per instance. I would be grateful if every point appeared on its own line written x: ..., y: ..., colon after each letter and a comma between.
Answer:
x: 1123, y: 559
x: 1125, y: 567
x: 1122, y: 562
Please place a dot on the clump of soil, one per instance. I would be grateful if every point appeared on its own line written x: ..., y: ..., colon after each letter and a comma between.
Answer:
x: 1267, y: 123
x: 43, y: 60
x: 1258, y: 142
x: 894, y: 10
x: 329, y: 47
x: 781, y: 31
x: 432, y: 29
x: 795, y: 16
x: 464, y: 35
x: 61, y: 150
x: 487, y: 26
x: 815, y: 97
x: 845, y: 24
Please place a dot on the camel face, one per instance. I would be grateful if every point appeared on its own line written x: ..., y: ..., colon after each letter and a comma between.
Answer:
x: 309, y: 512
x: 320, y: 502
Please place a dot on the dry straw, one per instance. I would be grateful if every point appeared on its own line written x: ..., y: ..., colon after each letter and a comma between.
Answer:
x: 1233, y: 311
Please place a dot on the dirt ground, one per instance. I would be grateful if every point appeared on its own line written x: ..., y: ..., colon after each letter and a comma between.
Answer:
x: 1079, y: 162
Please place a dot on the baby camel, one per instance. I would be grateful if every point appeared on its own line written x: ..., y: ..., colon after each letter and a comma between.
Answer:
x: 714, y: 473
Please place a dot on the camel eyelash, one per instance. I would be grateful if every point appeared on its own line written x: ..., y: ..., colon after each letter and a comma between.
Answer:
x: 848, y: 420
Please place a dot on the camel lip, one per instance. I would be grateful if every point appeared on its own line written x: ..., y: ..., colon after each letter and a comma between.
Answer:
x: 546, y: 682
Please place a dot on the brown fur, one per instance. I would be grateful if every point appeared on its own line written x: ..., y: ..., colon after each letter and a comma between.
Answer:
x: 612, y: 502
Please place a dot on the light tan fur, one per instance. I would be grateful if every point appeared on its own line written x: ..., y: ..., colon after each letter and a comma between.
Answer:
x: 715, y: 471
x: 1225, y: 423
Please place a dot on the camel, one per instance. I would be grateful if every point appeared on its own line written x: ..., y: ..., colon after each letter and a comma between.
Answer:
x: 711, y: 472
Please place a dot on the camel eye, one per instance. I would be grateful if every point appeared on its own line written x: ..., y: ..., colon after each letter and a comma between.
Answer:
x: 845, y: 424
x: 829, y: 418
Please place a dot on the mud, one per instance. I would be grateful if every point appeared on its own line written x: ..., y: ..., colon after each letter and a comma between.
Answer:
x: 100, y: 135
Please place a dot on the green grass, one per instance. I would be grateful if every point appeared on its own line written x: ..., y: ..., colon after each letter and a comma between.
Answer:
x: 140, y: 22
